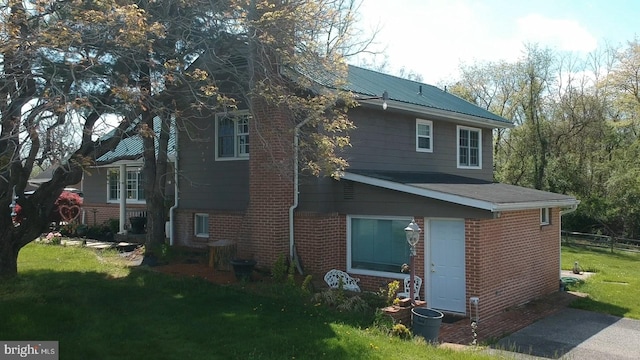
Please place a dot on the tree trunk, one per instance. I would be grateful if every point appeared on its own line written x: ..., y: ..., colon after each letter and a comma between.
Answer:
x: 8, y: 256
x: 155, y: 173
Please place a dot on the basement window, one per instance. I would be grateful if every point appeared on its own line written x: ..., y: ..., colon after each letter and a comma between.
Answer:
x: 201, y: 225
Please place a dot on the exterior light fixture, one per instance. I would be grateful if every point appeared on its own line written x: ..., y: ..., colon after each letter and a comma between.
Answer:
x: 385, y: 97
x: 412, y: 231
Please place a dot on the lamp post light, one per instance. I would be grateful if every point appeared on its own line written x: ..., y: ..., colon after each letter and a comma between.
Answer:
x: 412, y: 231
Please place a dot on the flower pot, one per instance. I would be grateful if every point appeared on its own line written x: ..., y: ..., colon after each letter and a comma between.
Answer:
x: 242, y: 268
x: 426, y: 322
x: 138, y: 224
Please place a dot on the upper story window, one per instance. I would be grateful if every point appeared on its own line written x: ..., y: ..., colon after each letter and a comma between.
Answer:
x: 469, y: 147
x: 424, y: 135
x: 134, y: 182
x: 232, y: 139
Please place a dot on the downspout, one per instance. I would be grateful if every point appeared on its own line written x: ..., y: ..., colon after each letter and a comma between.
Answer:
x: 175, y: 192
x: 296, y: 185
x: 569, y: 210
x: 563, y: 212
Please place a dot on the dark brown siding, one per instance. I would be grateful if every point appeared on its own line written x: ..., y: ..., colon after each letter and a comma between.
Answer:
x: 206, y: 183
x: 347, y: 197
x: 386, y: 141
x: 94, y: 185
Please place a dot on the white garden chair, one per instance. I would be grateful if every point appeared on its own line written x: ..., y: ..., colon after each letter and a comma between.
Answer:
x: 407, y: 290
x: 334, y: 277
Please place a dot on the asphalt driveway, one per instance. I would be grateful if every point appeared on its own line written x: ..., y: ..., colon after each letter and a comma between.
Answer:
x: 577, y: 334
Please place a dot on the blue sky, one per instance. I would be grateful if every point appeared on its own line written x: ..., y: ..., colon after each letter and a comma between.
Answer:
x: 433, y: 37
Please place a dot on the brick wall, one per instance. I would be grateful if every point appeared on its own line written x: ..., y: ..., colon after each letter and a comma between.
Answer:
x: 222, y: 226
x: 98, y: 214
x: 512, y: 259
x: 270, y: 186
x: 321, y: 244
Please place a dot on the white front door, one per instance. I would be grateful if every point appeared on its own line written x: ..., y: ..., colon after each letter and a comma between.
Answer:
x: 444, y: 265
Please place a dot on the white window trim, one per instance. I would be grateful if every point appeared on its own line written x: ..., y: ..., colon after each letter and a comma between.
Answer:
x: 371, y: 272
x: 458, y: 128
x: 235, y: 134
x: 430, y: 124
x: 545, y: 216
x: 195, y: 228
x: 117, y: 201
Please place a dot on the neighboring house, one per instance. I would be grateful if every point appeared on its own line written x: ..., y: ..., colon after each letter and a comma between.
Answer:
x: 427, y: 155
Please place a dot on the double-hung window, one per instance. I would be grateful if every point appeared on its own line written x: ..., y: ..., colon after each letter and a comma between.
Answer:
x: 232, y: 136
x: 133, y: 181
x: 469, y: 147
x: 377, y: 244
x: 201, y: 225
x: 424, y: 135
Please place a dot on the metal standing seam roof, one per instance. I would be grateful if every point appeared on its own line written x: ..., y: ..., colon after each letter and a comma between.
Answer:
x: 131, y: 148
x: 371, y: 83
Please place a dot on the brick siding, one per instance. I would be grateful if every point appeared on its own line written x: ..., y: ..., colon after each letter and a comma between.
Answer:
x: 222, y: 226
x: 98, y: 214
x: 512, y: 259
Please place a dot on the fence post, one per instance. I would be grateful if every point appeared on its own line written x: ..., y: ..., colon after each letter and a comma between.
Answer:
x: 613, y: 240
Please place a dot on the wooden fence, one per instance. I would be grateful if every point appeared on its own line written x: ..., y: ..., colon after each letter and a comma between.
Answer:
x: 600, y: 241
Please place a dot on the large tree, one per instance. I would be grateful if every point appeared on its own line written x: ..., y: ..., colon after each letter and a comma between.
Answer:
x: 61, y: 67
x: 154, y: 65
x: 254, y: 53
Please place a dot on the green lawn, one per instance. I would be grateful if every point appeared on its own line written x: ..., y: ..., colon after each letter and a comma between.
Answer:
x: 98, y: 309
x: 615, y: 288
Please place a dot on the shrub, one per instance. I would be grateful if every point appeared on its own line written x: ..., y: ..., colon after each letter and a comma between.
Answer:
x: 279, y: 269
x: 401, y: 331
x: 66, y: 208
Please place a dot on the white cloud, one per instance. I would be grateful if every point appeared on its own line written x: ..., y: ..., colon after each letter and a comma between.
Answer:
x: 563, y: 34
x: 433, y: 38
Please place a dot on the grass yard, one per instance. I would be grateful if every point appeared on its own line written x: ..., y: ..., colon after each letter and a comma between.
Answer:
x: 97, y: 308
x: 615, y: 288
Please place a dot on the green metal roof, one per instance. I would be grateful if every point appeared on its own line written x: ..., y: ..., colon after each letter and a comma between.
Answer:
x: 131, y: 148
x: 369, y: 83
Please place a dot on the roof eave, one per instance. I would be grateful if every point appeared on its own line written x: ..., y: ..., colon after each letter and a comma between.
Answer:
x: 458, y: 199
x: 409, y: 189
x: 429, y: 111
x: 565, y: 203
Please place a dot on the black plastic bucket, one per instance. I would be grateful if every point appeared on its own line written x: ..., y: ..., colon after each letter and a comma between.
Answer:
x: 426, y: 322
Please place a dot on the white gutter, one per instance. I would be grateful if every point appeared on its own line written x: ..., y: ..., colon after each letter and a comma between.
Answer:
x: 571, y: 209
x: 458, y: 199
x: 563, y: 212
x: 296, y: 185
x: 450, y: 115
x: 176, y: 198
